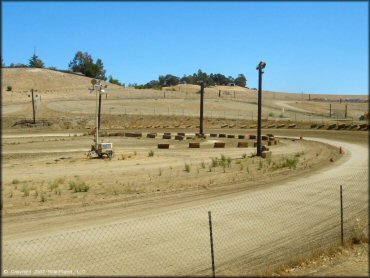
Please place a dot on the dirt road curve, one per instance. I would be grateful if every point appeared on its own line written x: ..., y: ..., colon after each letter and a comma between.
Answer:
x: 252, y: 230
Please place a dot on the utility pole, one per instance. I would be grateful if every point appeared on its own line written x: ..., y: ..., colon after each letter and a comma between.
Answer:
x: 260, y: 68
x: 201, y: 107
x: 345, y: 112
x: 98, y: 88
x: 99, y: 111
x: 33, y: 108
x: 330, y: 110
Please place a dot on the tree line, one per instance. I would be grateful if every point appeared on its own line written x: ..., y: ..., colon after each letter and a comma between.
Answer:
x: 84, y: 63
x: 212, y: 79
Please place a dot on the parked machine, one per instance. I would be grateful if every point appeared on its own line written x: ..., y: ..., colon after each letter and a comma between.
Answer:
x: 102, y: 150
x: 99, y: 150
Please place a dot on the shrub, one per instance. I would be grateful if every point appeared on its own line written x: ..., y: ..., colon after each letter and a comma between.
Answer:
x: 214, y: 162
x: 15, y: 181
x: 203, y: 165
x: 228, y: 162
x: 78, y: 187
x: 291, y: 163
x: 43, y: 198
x: 187, y: 168
x: 151, y: 153
x: 25, y: 190
x: 271, y: 114
x: 9, y: 88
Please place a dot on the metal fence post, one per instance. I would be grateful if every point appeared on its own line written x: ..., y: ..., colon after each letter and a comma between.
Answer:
x: 341, y: 216
x: 211, y: 238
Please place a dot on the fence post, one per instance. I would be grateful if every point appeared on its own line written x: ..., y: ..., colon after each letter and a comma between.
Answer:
x: 211, y: 237
x: 341, y: 216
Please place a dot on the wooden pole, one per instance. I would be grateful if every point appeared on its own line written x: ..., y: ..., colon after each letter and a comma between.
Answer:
x: 341, y: 216
x: 33, y: 108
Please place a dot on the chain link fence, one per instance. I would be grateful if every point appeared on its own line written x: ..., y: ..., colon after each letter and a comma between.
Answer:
x: 253, y: 234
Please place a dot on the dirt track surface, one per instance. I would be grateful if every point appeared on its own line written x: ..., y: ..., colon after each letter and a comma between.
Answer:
x: 252, y: 229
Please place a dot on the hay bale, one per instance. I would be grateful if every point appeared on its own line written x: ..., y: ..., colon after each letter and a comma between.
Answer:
x: 252, y: 136
x: 320, y: 126
x: 132, y: 134
x: 341, y: 126
x: 181, y: 133
x: 254, y: 144
x: 253, y: 126
x: 167, y: 133
x: 179, y: 137
x: 242, y: 144
x: 194, y: 145
x: 224, y: 126
x: 292, y: 126
x: 269, y: 143
x: 266, y: 154
x: 280, y: 125
x: 353, y: 126
x: 113, y: 133
x: 219, y: 145
x: 271, y: 126
x: 213, y: 135
x: 244, y: 126
x: 270, y: 135
x: 151, y: 135
x: 313, y: 125
x: 165, y: 136
x: 241, y: 136
x: 332, y: 126
x: 163, y: 146
x: 231, y: 126
x: 362, y: 126
x: 230, y: 136
x: 222, y: 135
x: 265, y: 148
x: 264, y: 137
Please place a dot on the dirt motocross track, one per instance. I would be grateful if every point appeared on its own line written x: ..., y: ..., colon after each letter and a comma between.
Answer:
x: 148, y: 215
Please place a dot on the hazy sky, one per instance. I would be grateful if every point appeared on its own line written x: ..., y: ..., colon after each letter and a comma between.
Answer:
x: 310, y: 47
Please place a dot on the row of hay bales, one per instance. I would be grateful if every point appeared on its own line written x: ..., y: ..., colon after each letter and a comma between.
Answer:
x: 196, y: 145
x: 341, y: 126
x: 278, y: 125
x: 181, y: 136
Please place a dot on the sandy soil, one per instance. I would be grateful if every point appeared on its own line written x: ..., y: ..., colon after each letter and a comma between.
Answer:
x: 147, y: 215
x: 351, y: 261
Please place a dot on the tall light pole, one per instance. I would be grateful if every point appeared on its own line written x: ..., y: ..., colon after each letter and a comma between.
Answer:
x: 98, y: 88
x: 260, y: 68
x: 201, y: 133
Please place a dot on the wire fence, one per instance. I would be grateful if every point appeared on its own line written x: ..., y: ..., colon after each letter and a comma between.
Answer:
x: 253, y: 233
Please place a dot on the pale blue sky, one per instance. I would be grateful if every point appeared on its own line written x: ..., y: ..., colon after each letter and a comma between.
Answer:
x: 312, y: 47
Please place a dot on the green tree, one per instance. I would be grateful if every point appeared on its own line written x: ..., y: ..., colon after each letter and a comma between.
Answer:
x: 101, y: 70
x: 241, y: 80
x: 84, y: 63
x: 36, y: 62
x: 114, y: 81
x: 81, y: 62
